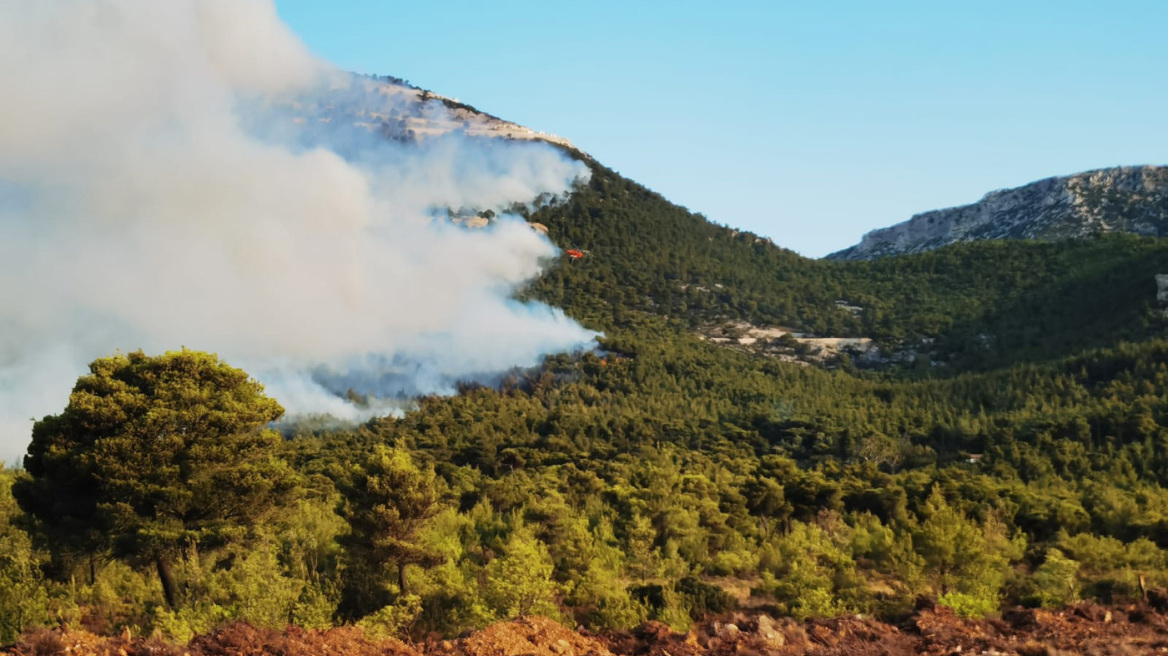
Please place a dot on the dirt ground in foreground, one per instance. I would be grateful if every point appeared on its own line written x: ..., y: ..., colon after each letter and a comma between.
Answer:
x: 1086, y: 630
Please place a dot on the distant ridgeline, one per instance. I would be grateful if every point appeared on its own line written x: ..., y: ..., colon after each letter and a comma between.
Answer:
x: 1123, y: 199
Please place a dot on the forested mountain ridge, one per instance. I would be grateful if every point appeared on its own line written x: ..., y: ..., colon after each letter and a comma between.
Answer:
x: 1130, y: 199
x: 982, y: 303
x: 1008, y: 446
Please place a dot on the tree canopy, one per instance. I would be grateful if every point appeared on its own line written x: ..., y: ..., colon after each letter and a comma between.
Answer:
x: 155, y: 453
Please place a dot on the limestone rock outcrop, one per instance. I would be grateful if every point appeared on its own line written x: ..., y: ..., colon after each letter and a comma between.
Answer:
x: 1124, y: 199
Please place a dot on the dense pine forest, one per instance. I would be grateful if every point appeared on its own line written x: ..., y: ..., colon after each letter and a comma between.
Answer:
x: 1005, y: 443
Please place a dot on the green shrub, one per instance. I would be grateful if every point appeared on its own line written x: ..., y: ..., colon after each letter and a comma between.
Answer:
x: 702, y: 598
x: 967, y: 605
x: 393, y: 620
x: 1056, y: 581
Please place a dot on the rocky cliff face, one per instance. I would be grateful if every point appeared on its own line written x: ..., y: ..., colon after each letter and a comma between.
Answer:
x: 396, y: 110
x: 1124, y: 199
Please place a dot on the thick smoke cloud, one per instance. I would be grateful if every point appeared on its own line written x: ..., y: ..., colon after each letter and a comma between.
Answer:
x: 186, y: 173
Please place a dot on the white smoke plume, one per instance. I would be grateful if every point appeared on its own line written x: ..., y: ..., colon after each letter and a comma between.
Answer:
x: 185, y: 173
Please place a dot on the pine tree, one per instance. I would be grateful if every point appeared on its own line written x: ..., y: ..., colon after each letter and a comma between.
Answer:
x: 520, y: 581
x: 387, y: 504
x: 153, y: 454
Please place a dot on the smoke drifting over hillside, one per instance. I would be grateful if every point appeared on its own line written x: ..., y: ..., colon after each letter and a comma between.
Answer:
x: 181, y: 173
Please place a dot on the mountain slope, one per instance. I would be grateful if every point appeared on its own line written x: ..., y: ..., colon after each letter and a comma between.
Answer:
x: 1124, y: 199
x: 977, y: 304
x: 1020, y: 455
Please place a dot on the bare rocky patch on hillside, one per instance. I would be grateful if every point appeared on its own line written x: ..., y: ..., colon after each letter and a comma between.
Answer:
x: 783, y: 343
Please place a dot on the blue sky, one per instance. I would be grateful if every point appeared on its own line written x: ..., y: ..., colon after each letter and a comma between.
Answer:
x: 809, y: 122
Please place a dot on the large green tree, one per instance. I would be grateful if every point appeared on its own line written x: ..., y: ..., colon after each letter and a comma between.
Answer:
x: 154, y: 454
x: 389, y: 500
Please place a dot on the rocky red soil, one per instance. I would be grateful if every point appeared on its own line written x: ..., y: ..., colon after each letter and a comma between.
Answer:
x: 233, y: 640
x: 1085, y: 629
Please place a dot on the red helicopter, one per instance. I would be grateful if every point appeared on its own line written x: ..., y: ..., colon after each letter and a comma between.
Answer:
x: 575, y: 253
